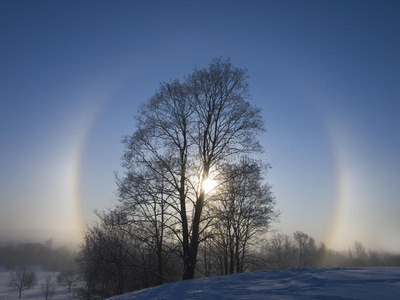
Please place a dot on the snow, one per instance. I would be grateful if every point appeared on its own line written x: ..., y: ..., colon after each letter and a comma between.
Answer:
x: 7, y: 293
x: 313, y: 283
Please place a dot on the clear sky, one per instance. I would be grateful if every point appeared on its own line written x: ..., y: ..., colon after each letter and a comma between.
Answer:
x: 325, y: 73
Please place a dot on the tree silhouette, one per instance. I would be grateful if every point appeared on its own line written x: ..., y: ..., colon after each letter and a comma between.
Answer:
x: 192, y: 128
x: 22, y: 279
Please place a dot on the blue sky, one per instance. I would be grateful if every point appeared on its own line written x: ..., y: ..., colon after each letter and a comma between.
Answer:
x: 325, y: 73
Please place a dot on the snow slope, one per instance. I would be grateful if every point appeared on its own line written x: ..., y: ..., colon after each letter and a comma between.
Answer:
x: 319, y: 283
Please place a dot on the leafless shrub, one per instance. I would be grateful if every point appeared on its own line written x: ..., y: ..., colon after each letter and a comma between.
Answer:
x: 22, y: 279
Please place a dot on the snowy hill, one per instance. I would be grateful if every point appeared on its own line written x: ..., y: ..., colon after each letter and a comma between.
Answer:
x: 319, y: 283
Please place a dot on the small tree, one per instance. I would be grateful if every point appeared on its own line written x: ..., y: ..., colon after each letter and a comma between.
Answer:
x: 69, y: 276
x: 22, y: 279
x: 360, y: 254
x: 242, y: 211
x: 103, y: 258
x: 144, y: 198
x: 307, y: 249
x: 48, y: 287
x: 279, y: 252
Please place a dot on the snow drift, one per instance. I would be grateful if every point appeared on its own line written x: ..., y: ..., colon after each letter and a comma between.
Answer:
x: 314, y: 283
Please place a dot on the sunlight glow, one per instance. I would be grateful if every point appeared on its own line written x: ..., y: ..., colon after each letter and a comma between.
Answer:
x: 209, y: 185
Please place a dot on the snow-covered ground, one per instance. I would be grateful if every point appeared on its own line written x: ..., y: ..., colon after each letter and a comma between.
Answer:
x: 36, y: 292
x: 320, y: 283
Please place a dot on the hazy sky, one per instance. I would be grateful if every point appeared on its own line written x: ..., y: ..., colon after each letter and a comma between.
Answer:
x: 325, y: 73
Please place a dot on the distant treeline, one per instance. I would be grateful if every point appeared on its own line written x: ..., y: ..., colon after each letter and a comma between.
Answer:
x: 300, y: 250
x: 36, y: 254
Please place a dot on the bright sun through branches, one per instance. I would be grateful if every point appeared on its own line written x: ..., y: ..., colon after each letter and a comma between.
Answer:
x: 209, y: 185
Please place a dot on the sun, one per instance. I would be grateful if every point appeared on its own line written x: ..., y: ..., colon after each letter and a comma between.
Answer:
x: 209, y: 185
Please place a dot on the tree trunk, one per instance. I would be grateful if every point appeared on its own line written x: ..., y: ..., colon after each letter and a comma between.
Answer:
x: 185, y: 237
x: 191, y: 260
x: 160, y: 265
x: 190, y: 263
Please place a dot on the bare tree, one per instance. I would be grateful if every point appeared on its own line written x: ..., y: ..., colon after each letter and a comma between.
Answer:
x: 360, y: 254
x: 101, y: 256
x: 307, y: 249
x: 144, y: 196
x: 321, y: 255
x: 374, y: 258
x: 191, y: 128
x: 242, y: 210
x: 48, y: 288
x: 279, y: 252
x: 22, y: 279
x: 69, y: 276
x: 115, y: 259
